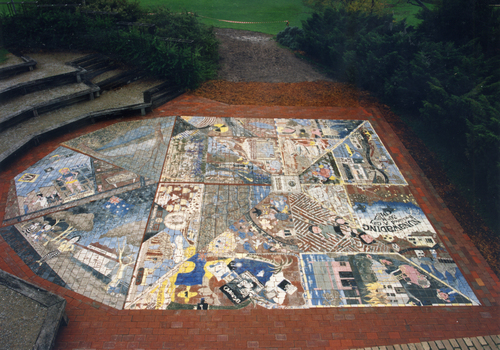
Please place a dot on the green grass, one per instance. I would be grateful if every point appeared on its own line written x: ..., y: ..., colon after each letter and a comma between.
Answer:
x: 264, y: 11
x: 243, y: 11
x: 260, y: 11
x: 401, y: 10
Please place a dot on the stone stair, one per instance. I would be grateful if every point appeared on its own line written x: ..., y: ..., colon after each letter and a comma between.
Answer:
x: 66, y: 91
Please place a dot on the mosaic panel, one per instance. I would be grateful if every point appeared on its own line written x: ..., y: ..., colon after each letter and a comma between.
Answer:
x: 64, y: 177
x: 92, y: 248
x: 137, y: 146
x: 271, y: 213
x: 362, y: 159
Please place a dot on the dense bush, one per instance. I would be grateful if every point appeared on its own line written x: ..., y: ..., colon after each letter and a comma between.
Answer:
x: 126, y: 10
x: 186, y: 63
x: 288, y: 37
x: 445, y: 74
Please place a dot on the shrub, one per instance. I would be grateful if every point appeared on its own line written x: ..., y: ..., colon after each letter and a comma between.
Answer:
x: 187, y: 64
x: 289, y: 37
x: 440, y: 74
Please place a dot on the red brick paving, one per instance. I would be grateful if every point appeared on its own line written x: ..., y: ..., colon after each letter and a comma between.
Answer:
x: 96, y: 326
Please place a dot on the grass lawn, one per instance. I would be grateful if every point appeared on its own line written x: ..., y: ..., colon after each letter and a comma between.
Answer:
x: 401, y: 9
x: 264, y: 11
x: 243, y: 11
x: 260, y: 11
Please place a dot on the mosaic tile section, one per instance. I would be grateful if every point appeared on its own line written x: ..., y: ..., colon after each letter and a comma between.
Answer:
x: 271, y: 213
x: 362, y: 159
x: 334, y: 279
x: 137, y: 146
x: 63, y: 177
x: 93, y: 247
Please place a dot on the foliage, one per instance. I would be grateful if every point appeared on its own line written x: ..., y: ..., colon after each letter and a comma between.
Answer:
x: 460, y: 21
x: 3, y: 55
x: 369, y: 6
x: 186, y: 64
x: 126, y: 10
x: 288, y: 37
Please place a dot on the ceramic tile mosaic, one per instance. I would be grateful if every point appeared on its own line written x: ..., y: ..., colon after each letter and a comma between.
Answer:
x: 227, y: 213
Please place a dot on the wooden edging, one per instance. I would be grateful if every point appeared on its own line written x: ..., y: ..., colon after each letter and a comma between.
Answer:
x: 85, y: 119
x: 27, y: 66
x: 54, y: 304
x: 44, y: 107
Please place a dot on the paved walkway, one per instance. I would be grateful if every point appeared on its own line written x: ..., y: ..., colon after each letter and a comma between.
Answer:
x: 98, y: 321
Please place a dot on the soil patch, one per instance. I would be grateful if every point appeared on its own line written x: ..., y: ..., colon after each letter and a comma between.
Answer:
x: 250, y: 56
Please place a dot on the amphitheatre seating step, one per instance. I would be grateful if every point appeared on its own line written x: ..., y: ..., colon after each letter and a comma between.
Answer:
x: 35, y: 85
x: 94, y: 65
x: 121, y: 92
x: 20, y: 65
x: 162, y: 93
x: 28, y: 106
x: 121, y: 79
x: 48, y: 65
x: 31, y: 315
x: 126, y: 99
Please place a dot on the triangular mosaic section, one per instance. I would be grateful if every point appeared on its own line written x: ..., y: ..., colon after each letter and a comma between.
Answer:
x: 337, y: 130
x: 299, y: 154
x: 92, y: 247
x: 363, y: 159
x: 323, y: 171
x: 64, y: 177
x: 335, y: 279
x: 186, y: 158
x: 137, y: 146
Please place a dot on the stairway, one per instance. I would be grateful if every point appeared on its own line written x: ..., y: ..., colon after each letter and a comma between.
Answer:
x: 63, y: 91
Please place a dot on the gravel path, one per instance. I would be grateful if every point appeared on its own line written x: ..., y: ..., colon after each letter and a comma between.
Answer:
x: 256, y: 57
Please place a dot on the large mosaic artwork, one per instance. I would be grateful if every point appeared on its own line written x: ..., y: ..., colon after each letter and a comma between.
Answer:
x: 228, y: 213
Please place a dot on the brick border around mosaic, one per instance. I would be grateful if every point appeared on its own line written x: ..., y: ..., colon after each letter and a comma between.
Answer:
x: 96, y: 326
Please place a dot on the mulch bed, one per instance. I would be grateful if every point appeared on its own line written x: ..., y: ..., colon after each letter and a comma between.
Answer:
x: 333, y: 94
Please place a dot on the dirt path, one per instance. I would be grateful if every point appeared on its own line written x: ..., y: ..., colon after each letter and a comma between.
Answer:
x: 250, y: 56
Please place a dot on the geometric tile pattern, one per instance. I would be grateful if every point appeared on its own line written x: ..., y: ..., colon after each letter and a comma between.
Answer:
x: 225, y: 213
